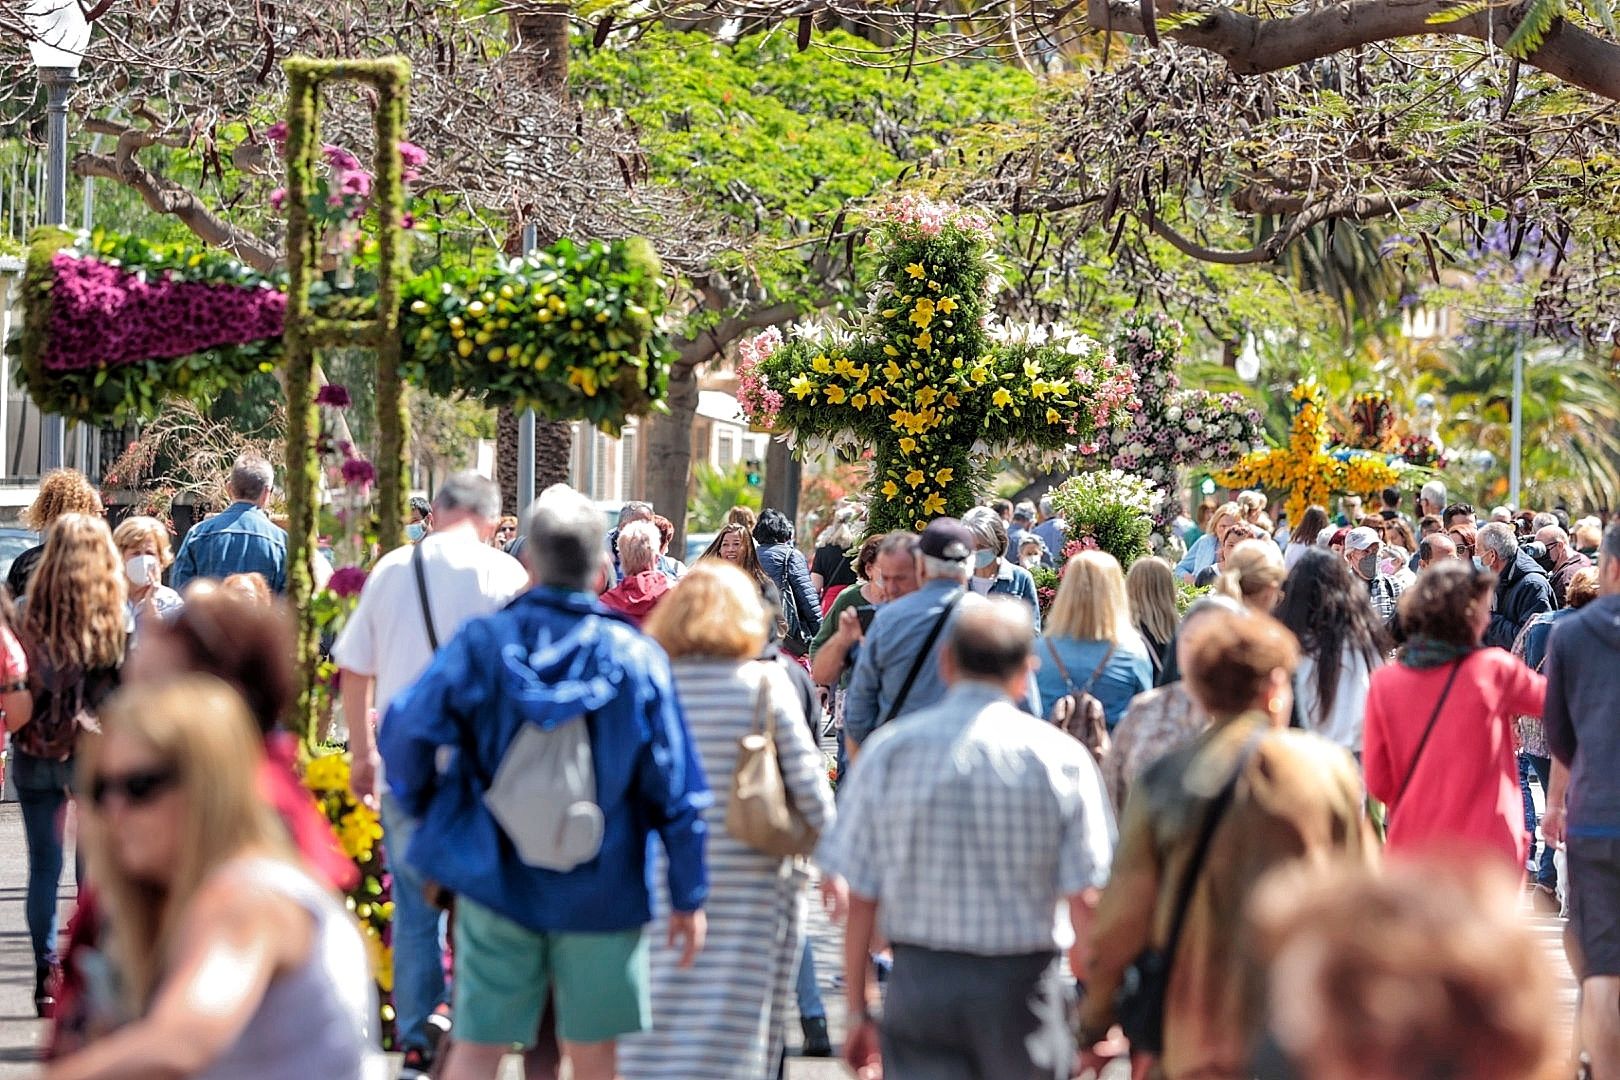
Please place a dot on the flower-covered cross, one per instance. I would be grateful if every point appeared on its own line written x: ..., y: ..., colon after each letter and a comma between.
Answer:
x: 1307, y: 469
x: 924, y: 381
x: 1169, y: 428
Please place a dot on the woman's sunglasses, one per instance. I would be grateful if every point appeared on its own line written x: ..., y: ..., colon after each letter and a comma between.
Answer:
x: 135, y: 788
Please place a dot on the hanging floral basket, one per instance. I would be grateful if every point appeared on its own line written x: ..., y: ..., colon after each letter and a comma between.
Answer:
x: 570, y: 332
x: 113, y: 325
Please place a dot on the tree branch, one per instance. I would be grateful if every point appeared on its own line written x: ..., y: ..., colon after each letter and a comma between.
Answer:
x: 716, y: 339
x: 163, y: 196
x: 1255, y: 46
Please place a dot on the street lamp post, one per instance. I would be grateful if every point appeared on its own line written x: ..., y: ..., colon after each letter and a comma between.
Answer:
x: 59, y: 35
x: 525, y: 491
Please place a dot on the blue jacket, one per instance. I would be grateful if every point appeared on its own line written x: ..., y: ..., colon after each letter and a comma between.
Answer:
x: 1018, y: 583
x: 1129, y: 672
x: 241, y: 540
x: 785, y: 565
x: 1200, y: 555
x: 549, y: 656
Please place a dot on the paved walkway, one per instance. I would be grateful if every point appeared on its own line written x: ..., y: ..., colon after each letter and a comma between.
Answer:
x: 20, y: 1032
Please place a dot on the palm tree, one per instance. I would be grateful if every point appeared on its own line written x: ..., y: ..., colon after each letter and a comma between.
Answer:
x: 1571, y: 409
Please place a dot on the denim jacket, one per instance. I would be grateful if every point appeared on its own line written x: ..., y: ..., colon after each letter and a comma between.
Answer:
x: 549, y: 657
x: 241, y: 540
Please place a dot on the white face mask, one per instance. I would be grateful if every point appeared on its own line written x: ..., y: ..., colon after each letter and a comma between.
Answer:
x: 142, y: 570
x: 984, y: 558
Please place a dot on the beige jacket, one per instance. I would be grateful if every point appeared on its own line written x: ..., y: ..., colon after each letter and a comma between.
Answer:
x: 1299, y: 798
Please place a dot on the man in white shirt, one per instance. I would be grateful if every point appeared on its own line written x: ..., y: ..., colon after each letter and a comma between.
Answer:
x: 385, y: 646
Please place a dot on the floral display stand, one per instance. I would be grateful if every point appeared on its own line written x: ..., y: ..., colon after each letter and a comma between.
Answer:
x: 1308, y: 470
x: 1169, y: 428
x: 926, y: 381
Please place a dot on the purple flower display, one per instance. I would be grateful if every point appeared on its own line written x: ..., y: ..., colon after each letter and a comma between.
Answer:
x: 104, y: 316
x: 334, y: 394
x: 347, y: 581
x: 359, y: 473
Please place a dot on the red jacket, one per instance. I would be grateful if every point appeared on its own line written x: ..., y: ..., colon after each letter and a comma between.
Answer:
x: 1464, y: 791
x: 637, y: 595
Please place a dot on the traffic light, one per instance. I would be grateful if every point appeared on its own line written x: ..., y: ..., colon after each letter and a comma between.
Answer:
x: 754, y: 478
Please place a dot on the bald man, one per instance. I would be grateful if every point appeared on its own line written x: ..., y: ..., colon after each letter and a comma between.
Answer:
x: 1435, y: 548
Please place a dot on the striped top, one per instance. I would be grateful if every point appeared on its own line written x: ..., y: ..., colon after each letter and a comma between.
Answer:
x: 723, y: 1018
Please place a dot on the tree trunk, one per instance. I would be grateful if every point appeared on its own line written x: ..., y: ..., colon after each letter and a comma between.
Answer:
x: 782, y: 477
x: 553, y: 456
x: 539, y: 36
x: 669, y: 451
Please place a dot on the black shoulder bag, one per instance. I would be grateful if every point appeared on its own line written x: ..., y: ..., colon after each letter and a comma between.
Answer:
x: 422, y: 596
x: 921, y: 659
x: 1139, y: 1002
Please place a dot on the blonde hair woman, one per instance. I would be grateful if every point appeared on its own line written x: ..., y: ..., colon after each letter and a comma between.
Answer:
x: 728, y: 1009
x: 1091, y: 642
x: 1203, y: 551
x: 206, y: 904
x: 1151, y: 587
x: 1253, y: 575
x: 143, y: 544
x: 61, y: 491
x: 74, y: 628
x: 1252, y: 505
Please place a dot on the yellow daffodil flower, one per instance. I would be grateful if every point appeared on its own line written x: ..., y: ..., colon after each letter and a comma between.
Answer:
x: 878, y: 395
x: 1032, y: 369
x: 1001, y: 398
x: 835, y: 395
x: 890, y: 489
x: 890, y: 350
x: 952, y: 401
x: 934, y: 504
x: 915, y: 477
x: 801, y: 387
x: 891, y: 371
x: 946, y: 305
x: 916, y: 271
x: 821, y: 365
x: 845, y: 367
x: 859, y: 401
x: 1053, y: 416
x: 926, y: 396
x: 944, y: 476
x: 923, y: 313
x: 923, y: 341
x: 980, y: 374
x: 908, y: 445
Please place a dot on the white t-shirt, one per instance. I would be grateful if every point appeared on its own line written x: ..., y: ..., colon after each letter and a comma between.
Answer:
x: 1344, y: 724
x: 386, y: 637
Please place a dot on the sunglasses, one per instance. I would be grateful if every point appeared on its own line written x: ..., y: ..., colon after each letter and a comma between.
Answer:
x: 135, y: 788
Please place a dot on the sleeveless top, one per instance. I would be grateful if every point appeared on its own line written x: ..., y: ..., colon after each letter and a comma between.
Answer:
x: 319, y: 1020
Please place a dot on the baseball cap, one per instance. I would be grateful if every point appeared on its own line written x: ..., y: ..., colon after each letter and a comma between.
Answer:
x: 947, y: 538
x: 1360, y: 539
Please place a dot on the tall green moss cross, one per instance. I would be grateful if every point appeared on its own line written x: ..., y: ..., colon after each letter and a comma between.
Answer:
x: 306, y: 332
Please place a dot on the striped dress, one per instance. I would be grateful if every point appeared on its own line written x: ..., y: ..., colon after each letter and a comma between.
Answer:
x: 724, y: 1017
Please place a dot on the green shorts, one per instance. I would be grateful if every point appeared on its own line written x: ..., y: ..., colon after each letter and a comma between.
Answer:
x: 504, y: 972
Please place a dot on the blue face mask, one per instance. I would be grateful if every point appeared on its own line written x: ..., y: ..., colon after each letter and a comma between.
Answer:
x: 415, y: 531
x: 982, y: 559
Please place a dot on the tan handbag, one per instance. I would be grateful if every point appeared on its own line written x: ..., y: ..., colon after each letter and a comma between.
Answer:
x: 759, y: 813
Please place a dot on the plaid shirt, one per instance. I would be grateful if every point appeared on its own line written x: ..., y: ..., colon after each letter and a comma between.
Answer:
x: 967, y: 822
x: 1385, y: 592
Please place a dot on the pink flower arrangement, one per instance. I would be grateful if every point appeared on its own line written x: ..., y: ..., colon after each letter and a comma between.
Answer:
x: 759, y: 402
x: 347, y: 581
x: 930, y: 217
x: 103, y: 316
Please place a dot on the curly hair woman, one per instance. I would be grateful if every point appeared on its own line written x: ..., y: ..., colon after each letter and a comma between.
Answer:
x: 74, y: 628
x: 64, y: 491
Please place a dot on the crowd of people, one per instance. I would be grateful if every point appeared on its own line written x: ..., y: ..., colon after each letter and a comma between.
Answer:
x: 1273, y: 831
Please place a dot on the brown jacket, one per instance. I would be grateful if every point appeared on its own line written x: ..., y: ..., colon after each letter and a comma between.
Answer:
x: 1299, y: 797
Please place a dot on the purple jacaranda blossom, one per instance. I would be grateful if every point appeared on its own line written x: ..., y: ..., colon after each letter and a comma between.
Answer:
x: 278, y: 199
x: 357, y: 182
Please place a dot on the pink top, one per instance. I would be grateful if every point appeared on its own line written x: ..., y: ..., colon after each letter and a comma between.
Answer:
x: 1464, y: 792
